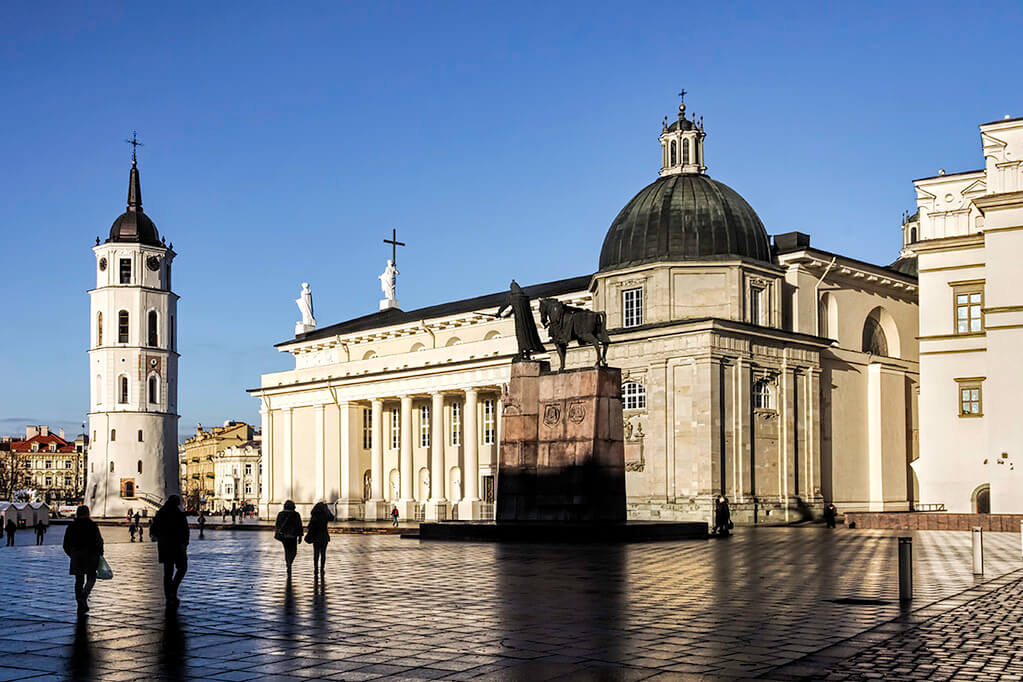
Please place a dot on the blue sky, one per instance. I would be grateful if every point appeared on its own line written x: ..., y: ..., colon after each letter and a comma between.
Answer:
x: 285, y: 140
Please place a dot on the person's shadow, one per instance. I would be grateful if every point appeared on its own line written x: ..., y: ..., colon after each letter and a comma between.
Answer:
x: 80, y: 663
x: 172, y: 652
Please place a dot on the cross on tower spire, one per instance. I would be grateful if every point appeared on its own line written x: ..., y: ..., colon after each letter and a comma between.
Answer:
x: 393, y: 241
x: 134, y: 142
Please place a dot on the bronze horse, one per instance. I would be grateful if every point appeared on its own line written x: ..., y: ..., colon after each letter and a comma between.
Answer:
x: 567, y: 323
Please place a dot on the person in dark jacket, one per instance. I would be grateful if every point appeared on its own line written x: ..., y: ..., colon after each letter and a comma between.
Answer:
x: 317, y: 534
x: 830, y: 513
x: 83, y: 544
x: 722, y: 516
x: 202, y: 524
x: 288, y: 529
x: 40, y: 531
x: 170, y: 530
x: 11, y: 529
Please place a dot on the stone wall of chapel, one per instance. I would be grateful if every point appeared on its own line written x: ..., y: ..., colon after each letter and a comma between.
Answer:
x: 303, y: 443
x: 332, y: 416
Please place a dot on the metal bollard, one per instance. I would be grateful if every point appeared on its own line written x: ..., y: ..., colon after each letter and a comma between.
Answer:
x: 978, y: 550
x: 905, y: 569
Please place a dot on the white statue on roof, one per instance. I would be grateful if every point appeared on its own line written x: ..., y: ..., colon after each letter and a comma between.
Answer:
x: 388, y: 285
x: 305, y: 306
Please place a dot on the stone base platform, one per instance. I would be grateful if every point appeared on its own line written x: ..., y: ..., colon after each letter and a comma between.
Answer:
x: 563, y: 532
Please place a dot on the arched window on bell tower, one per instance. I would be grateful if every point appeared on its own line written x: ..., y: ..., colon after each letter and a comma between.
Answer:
x: 99, y: 329
x: 153, y: 337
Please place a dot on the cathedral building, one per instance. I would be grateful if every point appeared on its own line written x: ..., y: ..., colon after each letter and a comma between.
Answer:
x: 772, y: 371
x: 967, y: 235
x: 133, y: 367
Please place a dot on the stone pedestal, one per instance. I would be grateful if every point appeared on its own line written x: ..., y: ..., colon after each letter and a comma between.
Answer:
x: 562, y: 456
x: 436, y: 511
x: 348, y: 510
x: 388, y: 303
x: 377, y: 510
x: 470, y: 510
x: 407, y: 510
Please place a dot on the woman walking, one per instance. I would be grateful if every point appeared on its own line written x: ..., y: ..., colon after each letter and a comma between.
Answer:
x: 318, y: 536
x: 288, y: 529
x: 84, y: 546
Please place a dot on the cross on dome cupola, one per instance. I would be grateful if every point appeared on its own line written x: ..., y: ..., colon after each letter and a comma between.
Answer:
x: 682, y: 143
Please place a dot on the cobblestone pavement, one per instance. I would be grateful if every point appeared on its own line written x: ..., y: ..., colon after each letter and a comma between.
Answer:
x: 754, y: 604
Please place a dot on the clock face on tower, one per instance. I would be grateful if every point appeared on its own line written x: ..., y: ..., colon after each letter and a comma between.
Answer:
x: 153, y: 263
x: 102, y: 263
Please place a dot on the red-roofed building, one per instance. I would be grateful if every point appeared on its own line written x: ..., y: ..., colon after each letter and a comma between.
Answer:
x: 48, y: 463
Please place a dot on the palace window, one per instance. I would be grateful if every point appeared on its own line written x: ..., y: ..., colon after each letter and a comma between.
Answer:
x: 122, y: 326
x: 67, y: 464
x: 99, y: 329
x: 49, y: 481
x: 762, y: 397
x: 971, y: 403
x: 248, y: 488
x: 126, y: 271
x: 248, y: 471
x: 633, y: 396
x: 122, y: 396
x: 489, y: 422
x: 632, y: 307
x: 367, y: 433
x: 67, y: 481
x: 153, y: 336
x: 48, y: 464
x: 969, y: 299
x: 395, y: 428
x: 456, y: 424
x: 424, y: 426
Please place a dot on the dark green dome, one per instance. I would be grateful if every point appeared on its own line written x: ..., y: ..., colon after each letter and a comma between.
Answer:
x: 684, y: 217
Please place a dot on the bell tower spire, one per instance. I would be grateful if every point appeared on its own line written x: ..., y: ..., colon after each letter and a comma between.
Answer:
x: 134, y: 184
x: 682, y: 143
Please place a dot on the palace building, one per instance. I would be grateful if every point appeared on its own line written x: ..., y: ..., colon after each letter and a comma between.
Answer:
x: 967, y: 234
x: 771, y: 370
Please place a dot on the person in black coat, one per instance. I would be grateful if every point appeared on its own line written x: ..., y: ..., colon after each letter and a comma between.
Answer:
x: 11, y: 529
x: 288, y: 529
x: 722, y: 516
x: 170, y: 530
x: 830, y: 513
x: 83, y: 544
x: 317, y: 534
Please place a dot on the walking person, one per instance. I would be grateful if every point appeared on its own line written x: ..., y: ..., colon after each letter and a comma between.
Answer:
x: 170, y: 529
x: 138, y: 523
x: 722, y: 517
x: 234, y: 514
x: 830, y: 513
x: 40, y: 531
x: 11, y: 529
x: 318, y: 536
x: 131, y: 530
x: 394, y: 516
x: 288, y: 529
x: 83, y: 544
x: 202, y: 525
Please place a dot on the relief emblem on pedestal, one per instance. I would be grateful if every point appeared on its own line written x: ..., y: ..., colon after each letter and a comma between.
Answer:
x: 576, y: 411
x: 552, y: 414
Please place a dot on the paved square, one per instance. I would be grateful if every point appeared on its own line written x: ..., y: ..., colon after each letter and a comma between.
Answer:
x: 756, y: 604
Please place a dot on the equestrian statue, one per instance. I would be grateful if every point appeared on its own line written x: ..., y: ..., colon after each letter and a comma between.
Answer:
x: 567, y: 323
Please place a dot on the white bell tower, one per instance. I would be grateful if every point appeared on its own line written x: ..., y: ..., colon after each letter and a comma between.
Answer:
x: 133, y: 367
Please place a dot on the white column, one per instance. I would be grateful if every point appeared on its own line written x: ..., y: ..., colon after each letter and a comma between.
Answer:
x: 407, y: 503
x: 349, y: 506
x: 376, y: 506
x: 469, y: 507
x: 287, y: 457
x: 318, y: 453
x: 265, y: 456
x: 437, y: 509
